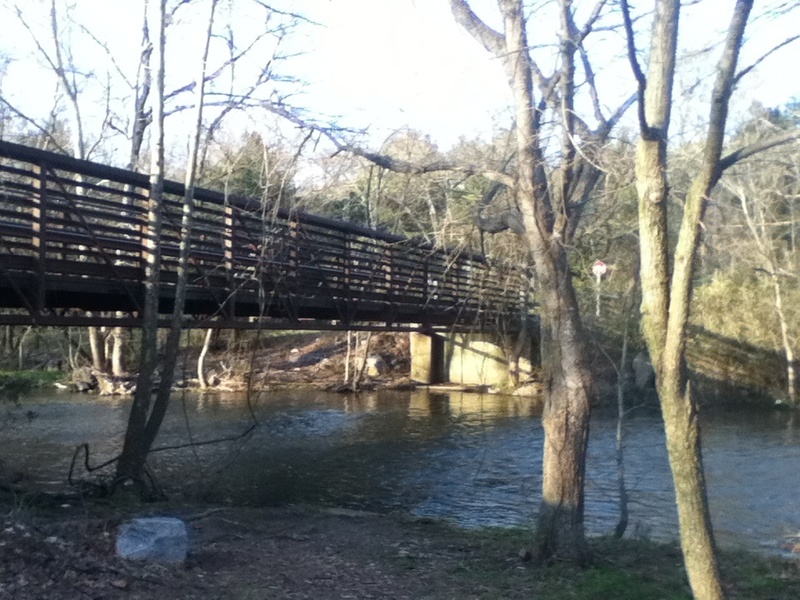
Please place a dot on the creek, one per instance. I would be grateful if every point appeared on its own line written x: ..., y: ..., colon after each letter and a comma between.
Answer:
x: 471, y: 459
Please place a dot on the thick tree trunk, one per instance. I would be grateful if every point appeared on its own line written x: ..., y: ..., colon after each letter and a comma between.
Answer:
x: 666, y: 297
x: 567, y: 384
x: 686, y: 462
x: 550, y: 201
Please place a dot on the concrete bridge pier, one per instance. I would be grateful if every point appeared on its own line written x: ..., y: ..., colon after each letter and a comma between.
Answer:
x: 427, y: 358
x: 466, y: 358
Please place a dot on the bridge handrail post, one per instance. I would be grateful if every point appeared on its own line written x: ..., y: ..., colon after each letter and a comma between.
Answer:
x: 228, y: 257
x: 294, y: 252
x: 346, y: 272
x: 425, y: 280
x: 390, y: 292
x: 40, y: 229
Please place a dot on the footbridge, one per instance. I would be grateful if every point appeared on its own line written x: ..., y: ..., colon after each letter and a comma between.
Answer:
x: 74, y: 243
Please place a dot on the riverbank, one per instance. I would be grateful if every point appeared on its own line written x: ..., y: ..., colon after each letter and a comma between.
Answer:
x: 257, y: 361
x: 64, y: 549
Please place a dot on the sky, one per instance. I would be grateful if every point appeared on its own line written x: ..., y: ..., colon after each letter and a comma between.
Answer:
x: 385, y: 65
x: 388, y: 64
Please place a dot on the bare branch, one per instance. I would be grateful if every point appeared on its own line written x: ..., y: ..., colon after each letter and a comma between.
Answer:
x: 590, y: 23
x: 641, y: 80
x: 492, y: 40
x: 402, y: 166
x: 109, y: 54
x: 616, y: 116
x: 763, y: 57
x: 723, y: 86
x: 745, y: 152
x: 388, y: 162
x: 45, y: 132
x: 285, y: 13
x: 212, y: 76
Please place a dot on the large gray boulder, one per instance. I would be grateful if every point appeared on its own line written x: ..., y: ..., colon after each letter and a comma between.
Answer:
x: 157, y: 539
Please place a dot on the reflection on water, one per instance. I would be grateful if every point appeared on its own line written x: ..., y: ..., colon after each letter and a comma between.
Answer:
x: 469, y: 458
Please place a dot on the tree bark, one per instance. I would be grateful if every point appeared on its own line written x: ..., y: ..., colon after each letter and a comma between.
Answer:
x: 98, y: 349
x: 567, y: 384
x: 145, y: 422
x: 120, y: 338
x: 788, y: 352
x: 172, y: 345
x: 131, y: 464
x: 666, y: 298
x: 549, y: 219
x: 566, y: 376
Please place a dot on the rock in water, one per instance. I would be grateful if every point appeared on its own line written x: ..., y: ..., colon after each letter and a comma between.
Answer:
x: 158, y: 539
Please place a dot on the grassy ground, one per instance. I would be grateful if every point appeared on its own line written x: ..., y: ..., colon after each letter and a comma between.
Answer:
x: 66, y: 551
x: 21, y: 381
x: 620, y: 570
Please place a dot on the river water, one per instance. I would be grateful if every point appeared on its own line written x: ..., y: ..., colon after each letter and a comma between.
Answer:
x: 468, y: 458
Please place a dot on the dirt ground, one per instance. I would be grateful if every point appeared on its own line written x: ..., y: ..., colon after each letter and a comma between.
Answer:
x: 311, y: 359
x: 236, y: 553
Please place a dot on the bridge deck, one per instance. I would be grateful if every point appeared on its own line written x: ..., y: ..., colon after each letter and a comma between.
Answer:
x: 73, y: 244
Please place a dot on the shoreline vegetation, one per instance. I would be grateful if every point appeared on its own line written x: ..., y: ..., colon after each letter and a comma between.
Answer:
x: 318, y: 360
x: 64, y: 549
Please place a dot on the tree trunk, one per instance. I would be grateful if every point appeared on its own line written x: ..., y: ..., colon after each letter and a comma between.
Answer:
x: 120, y: 338
x: 622, y: 489
x: 686, y: 462
x: 98, y: 348
x: 666, y: 298
x: 788, y: 352
x: 567, y: 384
x: 358, y: 373
x: 201, y: 360
x: 8, y: 342
x: 21, y: 347
x: 131, y: 464
x: 347, y: 358
x: 661, y: 307
x: 548, y: 222
x: 146, y: 427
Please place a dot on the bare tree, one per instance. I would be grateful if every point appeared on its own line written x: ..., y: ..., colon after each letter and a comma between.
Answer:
x: 551, y: 195
x: 131, y: 464
x: 553, y: 175
x: 145, y: 422
x: 666, y: 292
